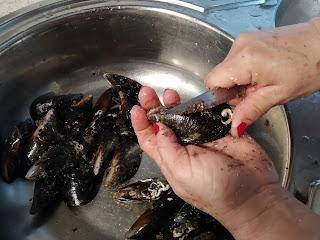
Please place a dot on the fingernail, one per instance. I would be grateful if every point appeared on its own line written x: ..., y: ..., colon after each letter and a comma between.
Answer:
x: 241, y: 128
x: 156, y: 128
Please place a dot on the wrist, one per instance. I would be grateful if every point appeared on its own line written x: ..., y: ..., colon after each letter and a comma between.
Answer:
x: 272, y: 213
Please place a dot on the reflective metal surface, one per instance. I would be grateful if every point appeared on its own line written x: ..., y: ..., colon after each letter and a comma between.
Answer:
x: 304, y: 113
x: 314, y: 196
x: 67, y: 49
x: 297, y: 11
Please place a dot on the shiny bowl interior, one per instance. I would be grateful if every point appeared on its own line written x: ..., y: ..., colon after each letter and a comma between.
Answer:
x: 69, y: 52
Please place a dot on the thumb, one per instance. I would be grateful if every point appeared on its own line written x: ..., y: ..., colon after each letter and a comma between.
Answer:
x: 252, y: 108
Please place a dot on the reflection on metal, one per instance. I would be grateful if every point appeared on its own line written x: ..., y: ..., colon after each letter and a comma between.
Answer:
x: 219, y: 5
x: 314, y: 197
x: 185, y: 4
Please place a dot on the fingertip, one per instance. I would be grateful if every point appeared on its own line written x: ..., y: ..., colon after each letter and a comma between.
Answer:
x: 170, y: 97
x: 148, y: 98
x: 138, y: 118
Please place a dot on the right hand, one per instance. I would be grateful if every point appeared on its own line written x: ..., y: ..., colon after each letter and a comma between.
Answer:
x: 275, y: 66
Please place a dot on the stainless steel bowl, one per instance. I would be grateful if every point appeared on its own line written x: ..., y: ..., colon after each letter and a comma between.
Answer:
x: 66, y: 48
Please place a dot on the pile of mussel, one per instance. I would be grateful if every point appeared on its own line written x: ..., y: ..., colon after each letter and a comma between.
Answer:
x: 70, y: 147
x: 169, y: 217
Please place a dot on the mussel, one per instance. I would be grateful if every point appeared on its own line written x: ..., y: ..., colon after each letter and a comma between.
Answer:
x: 47, y: 173
x: 103, y: 120
x: 46, y: 102
x: 124, y: 164
x: 14, y: 162
x: 77, y: 117
x: 127, y: 90
x: 195, y: 125
x: 49, y: 132
x: 150, y: 223
x: 150, y: 189
x: 79, y: 185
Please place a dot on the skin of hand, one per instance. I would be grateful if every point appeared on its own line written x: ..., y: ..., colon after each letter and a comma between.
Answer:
x: 231, y: 178
x: 275, y: 66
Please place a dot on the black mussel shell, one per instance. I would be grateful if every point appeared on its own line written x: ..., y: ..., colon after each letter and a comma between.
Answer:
x: 44, y: 103
x: 56, y: 159
x: 124, y: 128
x: 107, y: 146
x: 48, y: 174
x: 100, y: 130
x: 124, y: 164
x: 79, y: 186
x: 14, y: 162
x: 105, y: 102
x: 46, y: 193
x: 77, y: 117
x: 127, y: 89
x: 190, y: 221
x: 150, y: 189
x: 149, y: 224
x: 49, y: 132
x: 196, y: 127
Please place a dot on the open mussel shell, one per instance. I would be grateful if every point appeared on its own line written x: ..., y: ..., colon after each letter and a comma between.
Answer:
x: 13, y: 160
x: 196, y: 127
x: 124, y: 164
x: 44, y: 103
x: 150, y: 189
x: 150, y: 223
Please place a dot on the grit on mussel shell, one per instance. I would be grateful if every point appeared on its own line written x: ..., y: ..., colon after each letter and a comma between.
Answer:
x: 124, y: 164
x: 193, y: 126
x: 47, y: 173
x: 13, y: 159
x: 44, y: 103
x: 150, y: 189
x: 49, y: 132
x: 106, y: 112
x: 79, y: 186
x: 77, y: 117
x: 46, y: 192
x: 190, y: 222
x: 150, y: 223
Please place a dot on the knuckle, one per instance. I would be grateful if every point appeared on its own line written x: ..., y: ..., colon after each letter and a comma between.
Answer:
x: 256, y: 112
x: 243, y: 38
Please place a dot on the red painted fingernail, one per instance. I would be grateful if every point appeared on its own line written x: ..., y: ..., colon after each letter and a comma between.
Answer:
x: 156, y: 128
x: 241, y: 129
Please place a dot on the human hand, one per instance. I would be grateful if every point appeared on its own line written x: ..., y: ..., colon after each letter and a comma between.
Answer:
x: 217, y: 177
x: 276, y: 66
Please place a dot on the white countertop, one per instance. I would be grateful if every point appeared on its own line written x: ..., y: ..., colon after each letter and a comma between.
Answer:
x: 8, y: 6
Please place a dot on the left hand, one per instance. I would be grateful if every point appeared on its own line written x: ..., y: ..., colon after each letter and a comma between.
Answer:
x: 217, y: 177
